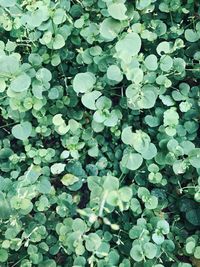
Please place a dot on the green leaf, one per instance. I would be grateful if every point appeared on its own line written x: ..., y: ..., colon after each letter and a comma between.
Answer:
x: 117, y: 11
x: 191, y: 35
x: 150, y: 153
x: 141, y: 98
x: 125, y: 194
x: 151, y: 62
x: 44, y: 186
x: 79, y: 225
x: 135, y: 206
x: 194, y: 157
x: 69, y: 179
x: 190, y: 247
x: 5, y: 209
x: 163, y: 226
x: 111, y: 183
x: 43, y: 75
x: 193, y: 216
x: 127, y: 136
x: 137, y: 253
x: 89, y: 99
x: 166, y: 63
x: 57, y: 168
x: 59, y: 16
x: 163, y: 48
x: 114, y: 73
x: 37, y: 17
x: 171, y: 117
x: 22, y: 131
x: 131, y: 161
x: 151, y: 203
x: 33, y: 173
x: 3, y: 255
x: 197, y: 252
x: 103, y: 250
x: 150, y: 250
x: 137, y: 76
x: 143, y: 193
x: 103, y: 103
x: 111, y: 119
x: 5, y: 3
x: 48, y: 263
x: 142, y: 4
x: 140, y: 141
x: 93, y: 242
x: 179, y: 65
x: 58, y: 120
x: 8, y: 64
x: 109, y: 29
x: 158, y: 238
x: 128, y: 47
x: 84, y: 82
x: 21, y: 83
x: 113, y: 198
x: 58, y: 41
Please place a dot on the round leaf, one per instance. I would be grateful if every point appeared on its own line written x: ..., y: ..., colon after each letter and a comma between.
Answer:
x: 3, y: 255
x: 117, y: 11
x: 84, y: 82
x: 114, y: 73
x: 89, y: 99
x: 137, y: 253
x: 132, y: 161
x: 109, y: 29
x: 21, y: 83
x: 22, y: 131
x: 150, y: 250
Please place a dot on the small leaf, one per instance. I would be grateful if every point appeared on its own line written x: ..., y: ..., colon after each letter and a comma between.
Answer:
x: 58, y: 42
x: 109, y: 29
x: 151, y: 62
x: 114, y: 73
x: 125, y: 194
x: 137, y: 253
x: 191, y: 35
x: 197, y: 252
x: 84, y: 82
x: 22, y: 131
x: 3, y: 255
x: 158, y: 238
x: 93, y: 242
x: 117, y: 11
x: 5, y: 209
x: 163, y: 226
x: 89, y: 99
x: 69, y: 179
x: 57, y: 168
x: 194, y: 157
x: 193, y: 216
x: 132, y: 161
x: 129, y: 46
x: 127, y: 136
x: 21, y: 83
x: 150, y: 250
x: 113, y: 198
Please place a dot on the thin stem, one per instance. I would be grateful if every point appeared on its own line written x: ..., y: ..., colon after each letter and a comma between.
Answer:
x: 3, y: 126
x: 102, y: 204
x: 193, y: 69
x: 19, y: 261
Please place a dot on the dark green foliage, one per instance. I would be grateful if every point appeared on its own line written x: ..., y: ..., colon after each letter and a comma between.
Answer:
x: 99, y: 150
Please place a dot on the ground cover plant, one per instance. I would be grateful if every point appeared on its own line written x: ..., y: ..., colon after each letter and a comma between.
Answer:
x: 99, y: 150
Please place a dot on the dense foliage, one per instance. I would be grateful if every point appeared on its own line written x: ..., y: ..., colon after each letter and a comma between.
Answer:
x: 99, y: 157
